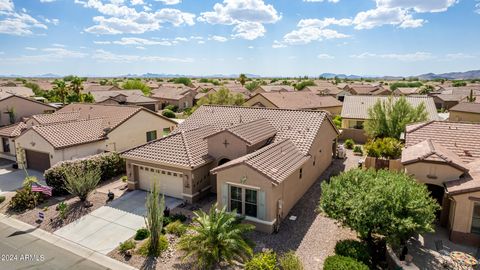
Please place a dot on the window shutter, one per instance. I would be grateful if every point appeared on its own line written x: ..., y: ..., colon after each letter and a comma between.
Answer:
x: 261, y: 205
x: 225, y: 195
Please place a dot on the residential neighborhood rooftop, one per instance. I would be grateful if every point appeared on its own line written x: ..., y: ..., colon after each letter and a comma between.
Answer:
x: 300, y: 100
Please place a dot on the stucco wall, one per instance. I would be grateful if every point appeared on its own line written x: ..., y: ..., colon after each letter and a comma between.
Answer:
x: 22, y: 108
x: 432, y: 173
x: 235, y: 146
x: 464, y: 117
x: 259, y: 99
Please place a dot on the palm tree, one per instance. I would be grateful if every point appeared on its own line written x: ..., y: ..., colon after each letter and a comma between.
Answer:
x: 76, y: 85
x: 242, y: 79
x: 61, y: 88
x: 217, y: 237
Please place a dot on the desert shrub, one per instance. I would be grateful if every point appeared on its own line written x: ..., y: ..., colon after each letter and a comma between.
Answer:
x: 172, y: 108
x: 127, y: 245
x: 263, y: 261
x: 162, y: 246
x: 337, y: 120
x: 349, y: 143
x: 25, y: 198
x: 62, y: 209
x: 290, y: 261
x: 338, y: 262
x: 358, y: 149
x: 389, y: 148
x: 176, y: 228
x: 180, y: 217
x: 141, y: 234
x: 2, y: 198
x: 124, y: 178
x: 110, y: 164
x: 168, y: 113
x: 353, y: 249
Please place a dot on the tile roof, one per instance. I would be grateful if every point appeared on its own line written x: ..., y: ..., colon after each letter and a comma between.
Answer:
x: 356, y: 107
x: 66, y: 134
x: 366, y: 89
x: 16, y: 90
x: 277, y: 88
x: 407, y: 90
x: 252, y: 132
x: 470, y: 182
x: 301, y: 127
x: 95, y: 87
x: 300, y: 100
x: 429, y: 150
x: 57, y: 117
x: 466, y: 107
x: 322, y: 90
x: 185, y: 148
x: 276, y: 161
x: 171, y: 92
x: 12, y: 131
x: 463, y: 139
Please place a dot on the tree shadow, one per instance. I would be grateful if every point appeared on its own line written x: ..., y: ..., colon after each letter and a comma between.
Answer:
x: 150, y: 263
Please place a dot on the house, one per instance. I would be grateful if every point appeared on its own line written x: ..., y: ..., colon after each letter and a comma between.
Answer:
x: 80, y: 130
x: 181, y: 97
x: 451, y: 96
x: 125, y: 97
x: 327, y: 91
x: 250, y: 157
x: 295, y: 100
x: 14, y: 108
x: 16, y: 90
x: 273, y: 88
x: 8, y: 135
x: 96, y: 87
x: 355, y: 113
x: 366, y: 89
x: 465, y: 112
x: 446, y: 157
x: 406, y: 91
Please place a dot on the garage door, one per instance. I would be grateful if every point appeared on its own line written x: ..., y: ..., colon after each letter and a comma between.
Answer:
x: 170, y: 182
x: 149, y: 106
x: 37, y: 160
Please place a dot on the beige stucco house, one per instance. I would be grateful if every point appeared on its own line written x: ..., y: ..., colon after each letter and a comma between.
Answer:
x: 80, y: 130
x: 446, y: 157
x: 14, y: 109
x: 259, y: 161
x: 182, y: 97
x: 465, y: 112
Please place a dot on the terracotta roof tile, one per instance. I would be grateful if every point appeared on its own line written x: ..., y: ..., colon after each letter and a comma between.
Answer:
x: 300, y: 100
x: 252, y: 132
x: 57, y: 117
x: 171, y: 92
x: 12, y: 131
x: 466, y: 107
x: 468, y: 183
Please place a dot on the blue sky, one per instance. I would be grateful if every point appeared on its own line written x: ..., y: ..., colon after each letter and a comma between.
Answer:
x: 203, y: 37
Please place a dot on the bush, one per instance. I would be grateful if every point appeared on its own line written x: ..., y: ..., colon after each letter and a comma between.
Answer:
x: 168, y: 113
x: 110, y: 164
x: 263, y: 261
x: 172, y: 108
x: 290, y: 261
x: 337, y: 120
x: 176, y: 228
x: 180, y: 217
x: 2, y: 198
x: 142, y: 234
x: 349, y: 143
x: 353, y: 249
x: 358, y: 149
x: 338, y: 262
x: 389, y: 148
x: 25, y: 199
x: 162, y: 246
x: 127, y: 245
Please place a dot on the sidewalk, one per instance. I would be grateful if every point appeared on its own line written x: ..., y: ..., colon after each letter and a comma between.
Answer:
x: 76, y: 250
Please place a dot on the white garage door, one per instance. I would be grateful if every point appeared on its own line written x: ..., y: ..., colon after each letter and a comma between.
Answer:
x: 169, y: 182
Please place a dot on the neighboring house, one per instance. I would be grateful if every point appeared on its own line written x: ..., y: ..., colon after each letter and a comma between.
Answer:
x: 80, y: 130
x: 8, y: 135
x: 328, y: 91
x: 406, y: 91
x: 367, y: 89
x: 273, y: 88
x: 451, y: 96
x: 14, y: 108
x: 446, y: 157
x: 295, y: 100
x: 94, y: 87
x: 125, y: 97
x: 255, y: 155
x: 16, y: 90
x: 465, y: 112
x: 355, y: 113
x: 182, y: 97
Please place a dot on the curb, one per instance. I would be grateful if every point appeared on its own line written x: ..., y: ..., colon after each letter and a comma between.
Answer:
x: 70, y: 246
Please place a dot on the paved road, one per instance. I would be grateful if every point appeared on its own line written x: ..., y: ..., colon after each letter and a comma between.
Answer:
x: 37, y: 253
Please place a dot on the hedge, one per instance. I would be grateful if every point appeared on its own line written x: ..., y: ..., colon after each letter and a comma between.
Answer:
x: 353, y: 249
x: 111, y: 164
x: 338, y: 262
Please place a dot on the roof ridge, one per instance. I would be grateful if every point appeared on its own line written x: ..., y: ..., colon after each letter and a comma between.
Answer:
x: 260, y: 108
x: 69, y: 121
x: 187, y: 151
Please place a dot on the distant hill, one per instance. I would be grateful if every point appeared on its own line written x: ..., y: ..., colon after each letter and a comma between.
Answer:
x: 467, y: 75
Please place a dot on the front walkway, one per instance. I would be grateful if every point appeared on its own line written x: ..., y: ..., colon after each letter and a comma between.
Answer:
x: 103, y: 229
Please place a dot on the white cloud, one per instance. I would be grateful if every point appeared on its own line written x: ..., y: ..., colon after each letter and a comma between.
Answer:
x: 6, y: 5
x: 457, y: 56
x: 325, y: 56
x: 101, y: 42
x: 419, y: 6
x: 315, y: 1
x: 137, y: 2
x: 141, y: 41
x: 16, y: 23
x: 47, y: 1
x: 170, y: 2
x: 30, y: 48
x: 58, y: 45
x: 277, y: 44
x: 248, y: 17
x: 477, y: 7
x: 48, y: 55
x: 140, y: 47
x: 407, y: 57
x: 52, y: 21
x: 201, y: 42
x: 310, y: 30
x: 118, y: 18
x: 106, y: 56
x: 219, y: 38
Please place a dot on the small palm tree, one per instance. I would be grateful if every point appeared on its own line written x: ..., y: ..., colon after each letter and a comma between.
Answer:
x: 242, y: 79
x: 62, y: 89
x: 76, y: 85
x: 216, y: 237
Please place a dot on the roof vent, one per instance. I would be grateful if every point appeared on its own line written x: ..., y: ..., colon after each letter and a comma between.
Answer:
x: 467, y: 153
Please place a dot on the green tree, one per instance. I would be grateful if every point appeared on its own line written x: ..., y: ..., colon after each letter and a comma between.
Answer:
x: 61, y: 89
x: 389, y: 148
x: 216, y: 237
x: 80, y: 182
x: 426, y: 89
x: 471, y: 98
x: 390, y: 117
x: 183, y: 80
x: 242, y: 78
x: 252, y: 85
x: 154, y: 219
x: 76, y: 85
x: 222, y: 97
x: 303, y: 84
x: 137, y: 84
x: 459, y: 83
x: 380, y: 202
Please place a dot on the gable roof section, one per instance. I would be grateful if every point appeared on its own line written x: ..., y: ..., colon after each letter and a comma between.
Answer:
x: 252, y: 132
x: 277, y: 88
x: 17, y: 90
x: 470, y: 182
x: 301, y: 127
x: 8, y: 96
x: 356, y: 107
x: 276, y: 161
x: 57, y: 117
x: 466, y: 107
x: 429, y: 150
x: 174, y: 93
x: 12, y: 131
x: 463, y: 139
x: 300, y: 100
x: 185, y: 148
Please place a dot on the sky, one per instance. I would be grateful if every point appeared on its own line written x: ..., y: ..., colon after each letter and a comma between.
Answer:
x: 263, y: 37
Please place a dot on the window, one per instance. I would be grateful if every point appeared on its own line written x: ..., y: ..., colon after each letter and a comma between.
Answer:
x: 250, y: 202
x: 476, y: 218
x: 151, y: 135
x: 236, y: 199
x: 300, y: 173
x: 6, y: 145
x: 166, y: 131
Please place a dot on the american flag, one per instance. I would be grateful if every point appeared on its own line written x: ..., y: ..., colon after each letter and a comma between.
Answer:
x: 44, y: 189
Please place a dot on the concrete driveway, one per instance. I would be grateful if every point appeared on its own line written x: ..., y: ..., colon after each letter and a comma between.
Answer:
x: 11, y: 179
x: 104, y: 229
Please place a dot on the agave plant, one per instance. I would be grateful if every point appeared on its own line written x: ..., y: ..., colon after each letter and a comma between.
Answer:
x: 216, y: 237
